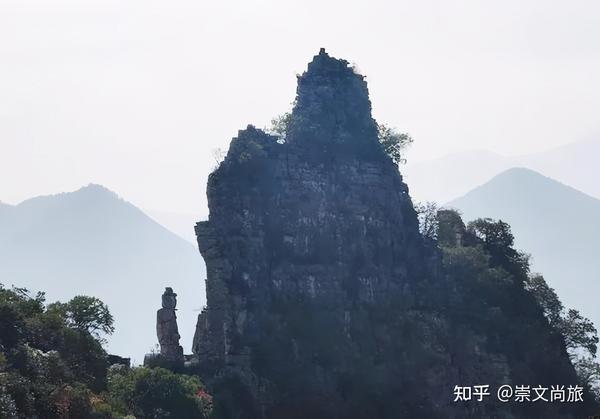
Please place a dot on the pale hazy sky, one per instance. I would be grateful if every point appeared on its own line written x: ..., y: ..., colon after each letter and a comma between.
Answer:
x: 134, y: 94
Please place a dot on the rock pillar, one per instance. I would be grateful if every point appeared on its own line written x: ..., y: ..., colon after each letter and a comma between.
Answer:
x: 166, y: 329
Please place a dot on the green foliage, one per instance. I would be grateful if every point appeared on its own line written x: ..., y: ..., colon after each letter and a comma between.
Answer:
x: 48, y: 366
x: 52, y: 365
x: 578, y: 332
x: 588, y: 371
x: 547, y: 298
x: 85, y: 313
x: 519, y: 315
x: 8, y: 408
x: 393, y: 142
x: 157, y: 393
x: 280, y: 125
x: 450, y: 228
x: 428, y: 219
x: 498, y: 241
x: 481, y: 322
x: 248, y: 152
x: 156, y: 360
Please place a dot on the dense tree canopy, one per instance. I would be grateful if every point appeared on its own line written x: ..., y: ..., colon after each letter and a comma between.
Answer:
x: 86, y: 314
x: 157, y: 393
x: 53, y: 365
x: 48, y: 368
x: 498, y: 286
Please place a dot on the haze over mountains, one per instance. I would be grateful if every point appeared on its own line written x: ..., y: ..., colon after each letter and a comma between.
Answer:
x: 557, y: 224
x: 92, y: 242
x: 449, y: 177
x: 180, y: 223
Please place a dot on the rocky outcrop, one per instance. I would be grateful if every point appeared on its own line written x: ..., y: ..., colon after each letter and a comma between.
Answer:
x: 324, y: 216
x: 166, y: 329
x: 307, y: 242
x: 323, y: 300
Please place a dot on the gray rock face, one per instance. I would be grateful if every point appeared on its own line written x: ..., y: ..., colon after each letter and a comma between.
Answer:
x: 166, y: 329
x: 310, y: 234
x: 325, y: 216
x: 323, y: 300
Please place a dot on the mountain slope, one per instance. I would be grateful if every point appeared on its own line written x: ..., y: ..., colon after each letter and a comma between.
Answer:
x: 443, y: 179
x: 454, y: 175
x: 180, y: 223
x: 575, y: 164
x: 558, y: 225
x: 92, y: 242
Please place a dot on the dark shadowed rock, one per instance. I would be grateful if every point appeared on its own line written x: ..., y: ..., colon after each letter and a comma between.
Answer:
x: 324, y: 219
x: 323, y: 300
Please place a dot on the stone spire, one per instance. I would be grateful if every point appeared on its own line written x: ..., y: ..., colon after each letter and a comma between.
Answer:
x: 323, y: 299
x: 301, y: 236
x: 332, y: 105
x: 166, y: 329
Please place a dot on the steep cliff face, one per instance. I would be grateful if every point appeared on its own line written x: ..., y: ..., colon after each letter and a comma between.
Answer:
x: 308, y: 237
x: 324, y: 216
x: 323, y: 300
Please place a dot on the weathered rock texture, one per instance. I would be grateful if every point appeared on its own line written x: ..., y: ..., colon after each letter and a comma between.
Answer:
x: 321, y: 293
x: 167, y: 331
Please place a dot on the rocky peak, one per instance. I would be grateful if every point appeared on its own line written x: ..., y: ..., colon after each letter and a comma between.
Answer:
x: 332, y: 106
x: 305, y: 240
x: 324, y: 301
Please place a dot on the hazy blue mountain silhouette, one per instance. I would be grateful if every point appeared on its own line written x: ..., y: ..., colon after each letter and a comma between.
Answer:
x: 180, y: 223
x: 454, y: 175
x: 92, y: 242
x: 557, y: 224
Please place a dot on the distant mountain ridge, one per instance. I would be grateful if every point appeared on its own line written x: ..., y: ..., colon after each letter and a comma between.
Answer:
x: 180, y: 223
x: 92, y: 242
x: 557, y: 224
x: 449, y: 177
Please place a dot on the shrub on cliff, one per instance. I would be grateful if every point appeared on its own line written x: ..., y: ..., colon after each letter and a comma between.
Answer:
x: 519, y: 315
x: 394, y: 143
x: 52, y: 365
x: 157, y: 393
